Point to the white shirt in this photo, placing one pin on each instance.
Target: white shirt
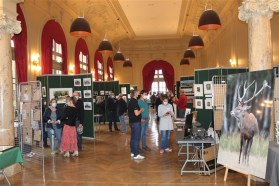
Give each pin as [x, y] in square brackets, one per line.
[165, 122]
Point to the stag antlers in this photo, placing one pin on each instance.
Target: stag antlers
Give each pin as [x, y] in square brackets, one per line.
[240, 99]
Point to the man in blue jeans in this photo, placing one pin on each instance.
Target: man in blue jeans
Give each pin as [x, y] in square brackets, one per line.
[134, 113]
[144, 119]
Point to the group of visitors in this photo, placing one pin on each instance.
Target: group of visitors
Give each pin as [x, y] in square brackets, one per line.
[65, 125]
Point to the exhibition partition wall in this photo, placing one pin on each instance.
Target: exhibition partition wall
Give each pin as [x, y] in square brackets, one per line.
[58, 86]
[203, 91]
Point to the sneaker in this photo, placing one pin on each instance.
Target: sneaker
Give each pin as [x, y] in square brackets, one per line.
[168, 150]
[53, 153]
[67, 154]
[75, 153]
[132, 154]
[162, 151]
[138, 157]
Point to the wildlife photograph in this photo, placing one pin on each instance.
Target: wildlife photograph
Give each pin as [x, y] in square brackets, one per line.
[247, 119]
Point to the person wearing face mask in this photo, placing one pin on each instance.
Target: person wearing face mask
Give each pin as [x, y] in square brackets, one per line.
[79, 122]
[52, 119]
[144, 119]
[165, 113]
[112, 113]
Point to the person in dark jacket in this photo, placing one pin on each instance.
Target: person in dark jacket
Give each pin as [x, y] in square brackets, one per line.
[101, 108]
[157, 103]
[111, 107]
[69, 136]
[52, 120]
[80, 108]
[121, 109]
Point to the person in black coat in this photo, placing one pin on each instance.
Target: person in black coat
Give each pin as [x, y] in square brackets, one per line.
[80, 108]
[121, 109]
[111, 107]
[101, 108]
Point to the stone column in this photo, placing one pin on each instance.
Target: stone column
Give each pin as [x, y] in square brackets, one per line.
[258, 14]
[8, 26]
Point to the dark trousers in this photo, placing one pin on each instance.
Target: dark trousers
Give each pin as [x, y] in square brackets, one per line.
[79, 137]
[112, 118]
[135, 138]
[44, 135]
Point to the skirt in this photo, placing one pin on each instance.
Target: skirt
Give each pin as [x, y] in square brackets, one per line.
[69, 139]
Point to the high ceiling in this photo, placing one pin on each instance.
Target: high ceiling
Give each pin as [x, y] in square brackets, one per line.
[143, 19]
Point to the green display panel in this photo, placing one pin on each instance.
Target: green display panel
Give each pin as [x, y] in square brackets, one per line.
[71, 83]
[205, 116]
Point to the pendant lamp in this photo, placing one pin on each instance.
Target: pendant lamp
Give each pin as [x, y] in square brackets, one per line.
[80, 27]
[105, 46]
[184, 62]
[189, 54]
[127, 63]
[209, 20]
[196, 42]
[118, 57]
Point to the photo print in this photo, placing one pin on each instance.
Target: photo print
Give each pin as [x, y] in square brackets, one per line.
[87, 81]
[77, 82]
[60, 94]
[199, 103]
[198, 90]
[87, 94]
[207, 87]
[87, 106]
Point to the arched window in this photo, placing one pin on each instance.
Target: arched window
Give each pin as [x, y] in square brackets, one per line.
[82, 63]
[159, 84]
[110, 71]
[99, 66]
[54, 49]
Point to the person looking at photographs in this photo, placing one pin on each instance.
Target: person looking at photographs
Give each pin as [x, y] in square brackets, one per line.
[101, 107]
[144, 119]
[69, 136]
[121, 109]
[165, 113]
[80, 108]
[52, 120]
[181, 103]
[134, 113]
[111, 107]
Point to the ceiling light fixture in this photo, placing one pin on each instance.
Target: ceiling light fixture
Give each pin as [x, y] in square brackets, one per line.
[209, 20]
[184, 62]
[196, 42]
[127, 63]
[105, 46]
[118, 57]
[189, 54]
[80, 27]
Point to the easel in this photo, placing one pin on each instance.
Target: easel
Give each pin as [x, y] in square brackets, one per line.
[240, 171]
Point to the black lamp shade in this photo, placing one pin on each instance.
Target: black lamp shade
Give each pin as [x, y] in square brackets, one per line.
[80, 27]
[189, 54]
[209, 20]
[118, 57]
[184, 62]
[127, 63]
[105, 46]
[196, 42]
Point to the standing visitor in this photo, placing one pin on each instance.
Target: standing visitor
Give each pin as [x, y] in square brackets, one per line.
[69, 136]
[158, 102]
[52, 120]
[101, 108]
[153, 99]
[134, 113]
[111, 107]
[144, 119]
[80, 108]
[121, 109]
[165, 112]
[181, 103]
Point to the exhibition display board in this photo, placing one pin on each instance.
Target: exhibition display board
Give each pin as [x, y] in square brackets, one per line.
[125, 89]
[58, 86]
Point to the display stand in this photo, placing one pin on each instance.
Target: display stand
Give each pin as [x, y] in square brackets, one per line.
[242, 172]
[30, 125]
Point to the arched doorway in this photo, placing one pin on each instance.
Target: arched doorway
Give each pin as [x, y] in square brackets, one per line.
[164, 71]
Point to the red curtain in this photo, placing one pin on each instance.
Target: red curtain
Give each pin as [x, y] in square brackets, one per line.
[98, 57]
[53, 30]
[20, 44]
[149, 71]
[110, 64]
[81, 46]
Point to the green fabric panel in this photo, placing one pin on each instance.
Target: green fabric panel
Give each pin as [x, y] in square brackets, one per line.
[10, 157]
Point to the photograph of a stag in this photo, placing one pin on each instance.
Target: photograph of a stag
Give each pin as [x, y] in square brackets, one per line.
[246, 122]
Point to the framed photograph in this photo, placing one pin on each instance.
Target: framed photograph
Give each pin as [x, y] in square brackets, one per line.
[198, 90]
[43, 92]
[102, 92]
[123, 90]
[87, 94]
[198, 103]
[60, 94]
[87, 106]
[87, 81]
[129, 96]
[208, 103]
[207, 87]
[25, 93]
[79, 93]
[106, 92]
[77, 82]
